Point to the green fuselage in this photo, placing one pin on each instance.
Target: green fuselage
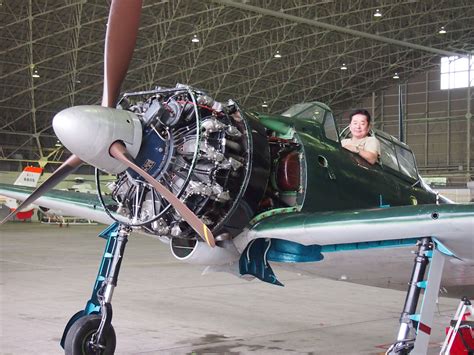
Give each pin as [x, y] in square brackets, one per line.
[350, 182]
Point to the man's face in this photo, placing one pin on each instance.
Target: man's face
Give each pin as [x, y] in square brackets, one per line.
[359, 126]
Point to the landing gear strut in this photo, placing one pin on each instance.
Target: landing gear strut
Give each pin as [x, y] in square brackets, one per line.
[90, 330]
[419, 324]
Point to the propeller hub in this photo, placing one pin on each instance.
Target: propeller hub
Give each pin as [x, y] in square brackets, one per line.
[89, 131]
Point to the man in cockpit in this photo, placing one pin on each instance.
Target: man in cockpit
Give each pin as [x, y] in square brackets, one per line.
[361, 143]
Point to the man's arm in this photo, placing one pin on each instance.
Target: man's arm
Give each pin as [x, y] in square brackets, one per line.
[370, 153]
[371, 157]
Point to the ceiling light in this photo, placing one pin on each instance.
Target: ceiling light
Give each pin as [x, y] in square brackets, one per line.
[277, 54]
[395, 76]
[195, 39]
[377, 13]
[35, 74]
[264, 104]
[442, 30]
[343, 66]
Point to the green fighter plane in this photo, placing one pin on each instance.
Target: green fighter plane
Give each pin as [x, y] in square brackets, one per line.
[234, 190]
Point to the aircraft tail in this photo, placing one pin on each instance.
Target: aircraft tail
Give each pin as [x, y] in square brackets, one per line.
[29, 176]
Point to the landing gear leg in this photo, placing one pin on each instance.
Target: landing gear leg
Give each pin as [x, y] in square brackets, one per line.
[420, 324]
[90, 331]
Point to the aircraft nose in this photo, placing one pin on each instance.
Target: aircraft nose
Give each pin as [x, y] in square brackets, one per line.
[89, 131]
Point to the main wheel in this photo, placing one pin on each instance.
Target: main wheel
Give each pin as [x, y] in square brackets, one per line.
[80, 334]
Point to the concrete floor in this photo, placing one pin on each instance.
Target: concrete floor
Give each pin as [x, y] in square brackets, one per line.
[162, 306]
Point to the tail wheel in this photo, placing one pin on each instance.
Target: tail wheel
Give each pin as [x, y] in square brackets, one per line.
[80, 335]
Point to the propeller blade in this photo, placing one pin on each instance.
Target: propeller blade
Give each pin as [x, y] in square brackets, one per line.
[120, 39]
[119, 152]
[71, 164]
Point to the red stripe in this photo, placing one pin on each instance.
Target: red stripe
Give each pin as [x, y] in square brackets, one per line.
[424, 328]
[25, 214]
[33, 169]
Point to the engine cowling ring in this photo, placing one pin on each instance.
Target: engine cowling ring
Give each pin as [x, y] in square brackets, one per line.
[199, 253]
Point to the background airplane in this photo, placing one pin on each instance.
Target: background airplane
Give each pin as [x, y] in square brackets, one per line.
[234, 190]
[57, 216]
[28, 177]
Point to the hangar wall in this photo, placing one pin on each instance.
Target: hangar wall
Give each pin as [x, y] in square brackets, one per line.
[436, 124]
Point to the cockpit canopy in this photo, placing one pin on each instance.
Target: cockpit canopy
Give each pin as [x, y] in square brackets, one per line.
[315, 112]
[309, 110]
[397, 155]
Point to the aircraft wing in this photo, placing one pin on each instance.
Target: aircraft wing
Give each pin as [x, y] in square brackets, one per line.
[452, 225]
[70, 203]
[370, 247]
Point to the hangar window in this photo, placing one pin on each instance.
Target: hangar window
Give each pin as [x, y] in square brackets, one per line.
[455, 72]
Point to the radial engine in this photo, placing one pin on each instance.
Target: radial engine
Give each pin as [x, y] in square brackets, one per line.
[212, 156]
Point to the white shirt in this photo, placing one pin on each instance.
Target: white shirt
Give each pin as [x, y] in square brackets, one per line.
[369, 144]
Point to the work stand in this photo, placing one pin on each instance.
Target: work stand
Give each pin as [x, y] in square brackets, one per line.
[415, 328]
[460, 328]
[90, 331]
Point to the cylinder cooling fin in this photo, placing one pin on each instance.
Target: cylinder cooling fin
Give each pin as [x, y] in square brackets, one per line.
[213, 156]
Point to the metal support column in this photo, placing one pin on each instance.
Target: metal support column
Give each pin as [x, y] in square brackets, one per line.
[468, 121]
[401, 136]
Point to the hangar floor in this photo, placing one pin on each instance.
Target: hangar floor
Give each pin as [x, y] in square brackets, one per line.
[162, 306]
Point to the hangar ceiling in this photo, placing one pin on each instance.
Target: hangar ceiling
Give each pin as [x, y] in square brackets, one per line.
[62, 42]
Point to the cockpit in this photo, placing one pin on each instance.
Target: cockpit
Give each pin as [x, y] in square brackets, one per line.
[396, 157]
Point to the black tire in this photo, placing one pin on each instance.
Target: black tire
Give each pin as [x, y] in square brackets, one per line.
[78, 337]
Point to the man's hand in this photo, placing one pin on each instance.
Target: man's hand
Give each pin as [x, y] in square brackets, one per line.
[371, 157]
[352, 148]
